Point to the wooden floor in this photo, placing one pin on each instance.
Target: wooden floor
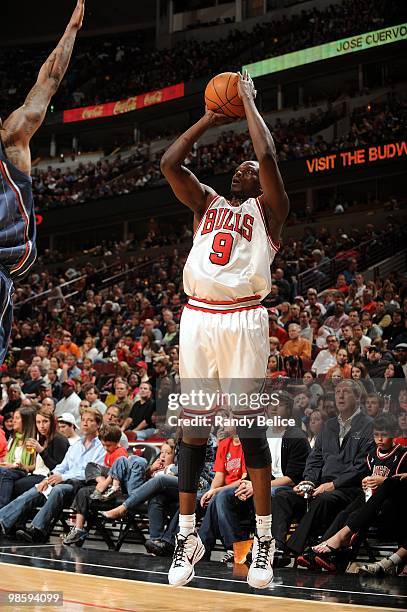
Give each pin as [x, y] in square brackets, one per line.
[84, 592]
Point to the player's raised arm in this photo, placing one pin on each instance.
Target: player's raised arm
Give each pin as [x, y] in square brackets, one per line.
[20, 126]
[188, 189]
[274, 196]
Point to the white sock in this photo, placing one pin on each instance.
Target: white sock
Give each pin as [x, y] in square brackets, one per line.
[263, 525]
[395, 558]
[186, 524]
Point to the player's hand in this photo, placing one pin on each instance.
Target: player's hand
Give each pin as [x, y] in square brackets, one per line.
[245, 86]
[217, 118]
[77, 15]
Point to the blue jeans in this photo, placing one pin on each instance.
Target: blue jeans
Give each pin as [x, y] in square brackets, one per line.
[10, 514]
[163, 505]
[60, 497]
[8, 476]
[131, 472]
[155, 485]
[224, 517]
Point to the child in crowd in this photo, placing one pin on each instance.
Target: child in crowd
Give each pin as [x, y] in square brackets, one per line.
[108, 487]
[387, 461]
[110, 437]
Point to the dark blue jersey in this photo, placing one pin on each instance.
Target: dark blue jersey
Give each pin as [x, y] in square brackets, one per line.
[17, 219]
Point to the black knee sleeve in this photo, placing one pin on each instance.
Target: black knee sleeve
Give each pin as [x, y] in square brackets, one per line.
[191, 460]
[256, 450]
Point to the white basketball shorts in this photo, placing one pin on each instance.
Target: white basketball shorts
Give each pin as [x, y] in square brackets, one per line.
[224, 351]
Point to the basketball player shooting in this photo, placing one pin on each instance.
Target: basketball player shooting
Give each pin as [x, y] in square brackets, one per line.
[17, 219]
[224, 328]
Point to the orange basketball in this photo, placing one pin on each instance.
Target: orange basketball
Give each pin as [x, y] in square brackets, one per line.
[221, 95]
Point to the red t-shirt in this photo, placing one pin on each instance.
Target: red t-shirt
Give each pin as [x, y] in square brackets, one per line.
[110, 458]
[230, 460]
[402, 441]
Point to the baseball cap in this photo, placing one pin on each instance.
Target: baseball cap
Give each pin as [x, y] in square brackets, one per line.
[402, 345]
[45, 385]
[141, 364]
[69, 382]
[373, 348]
[67, 417]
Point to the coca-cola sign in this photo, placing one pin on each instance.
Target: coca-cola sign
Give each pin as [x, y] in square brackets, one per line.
[124, 106]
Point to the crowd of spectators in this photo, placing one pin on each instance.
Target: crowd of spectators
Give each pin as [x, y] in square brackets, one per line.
[103, 363]
[111, 70]
[295, 139]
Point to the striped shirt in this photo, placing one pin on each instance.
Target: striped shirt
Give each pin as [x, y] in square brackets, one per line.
[17, 219]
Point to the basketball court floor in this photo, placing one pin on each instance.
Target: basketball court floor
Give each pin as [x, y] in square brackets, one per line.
[97, 579]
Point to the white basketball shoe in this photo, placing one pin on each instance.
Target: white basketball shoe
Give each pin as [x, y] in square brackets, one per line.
[261, 569]
[188, 551]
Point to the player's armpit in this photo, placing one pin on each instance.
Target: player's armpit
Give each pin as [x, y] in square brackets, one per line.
[274, 223]
[274, 198]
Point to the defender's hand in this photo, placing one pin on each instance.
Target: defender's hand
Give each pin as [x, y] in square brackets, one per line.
[77, 15]
[245, 86]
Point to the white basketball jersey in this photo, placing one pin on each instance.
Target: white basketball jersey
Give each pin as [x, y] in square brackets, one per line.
[231, 253]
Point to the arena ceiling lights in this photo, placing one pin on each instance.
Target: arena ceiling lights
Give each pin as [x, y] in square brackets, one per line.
[329, 50]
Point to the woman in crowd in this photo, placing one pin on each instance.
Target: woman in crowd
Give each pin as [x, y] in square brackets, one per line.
[354, 350]
[402, 423]
[149, 346]
[390, 387]
[105, 348]
[171, 337]
[8, 424]
[20, 457]
[50, 447]
[402, 400]
[359, 373]
[315, 324]
[309, 381]
[88, 349]
[275, 367]
[285, 313]
[88, 374]
[315, 425]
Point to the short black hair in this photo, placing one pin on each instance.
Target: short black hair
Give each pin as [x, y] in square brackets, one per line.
[387, 423]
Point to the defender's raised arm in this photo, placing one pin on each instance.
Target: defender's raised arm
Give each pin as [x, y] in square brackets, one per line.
[22, 124]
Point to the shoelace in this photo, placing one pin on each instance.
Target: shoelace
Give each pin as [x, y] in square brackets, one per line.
[71, 532]
[228, 557]
[180, 551]
[262, 554]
